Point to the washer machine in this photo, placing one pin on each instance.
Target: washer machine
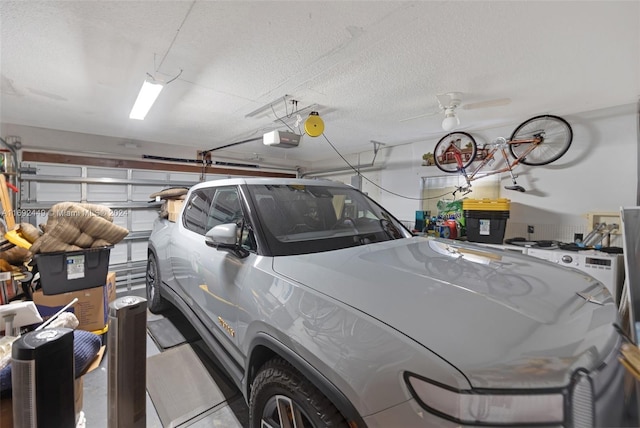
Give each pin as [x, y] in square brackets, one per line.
[606, 268]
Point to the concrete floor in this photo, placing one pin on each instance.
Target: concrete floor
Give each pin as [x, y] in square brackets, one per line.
[229, 412]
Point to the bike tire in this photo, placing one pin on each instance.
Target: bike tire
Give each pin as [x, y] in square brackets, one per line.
[443, 157]
[557, 136]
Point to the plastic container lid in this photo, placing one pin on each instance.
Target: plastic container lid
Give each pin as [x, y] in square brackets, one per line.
[486, 204]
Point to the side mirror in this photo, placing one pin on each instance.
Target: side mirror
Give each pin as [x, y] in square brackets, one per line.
[224, 237]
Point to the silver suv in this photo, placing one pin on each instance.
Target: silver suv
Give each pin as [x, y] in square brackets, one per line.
[326, 311]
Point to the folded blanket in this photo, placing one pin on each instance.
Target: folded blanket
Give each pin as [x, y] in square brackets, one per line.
[170, 193]
[73, 226]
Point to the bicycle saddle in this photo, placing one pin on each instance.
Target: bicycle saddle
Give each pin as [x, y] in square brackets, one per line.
[518, 188]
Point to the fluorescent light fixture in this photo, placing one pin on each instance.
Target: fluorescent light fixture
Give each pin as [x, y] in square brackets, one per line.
[147, 96]
[269, 106]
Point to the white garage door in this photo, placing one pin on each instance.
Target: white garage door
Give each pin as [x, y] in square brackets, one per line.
[125, 191]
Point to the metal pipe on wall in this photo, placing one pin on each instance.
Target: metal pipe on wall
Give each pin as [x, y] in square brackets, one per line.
[638, 156]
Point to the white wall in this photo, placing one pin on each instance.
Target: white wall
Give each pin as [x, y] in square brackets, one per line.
[599, 173]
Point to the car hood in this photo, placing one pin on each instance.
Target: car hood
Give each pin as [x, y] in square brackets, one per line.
[503, 319]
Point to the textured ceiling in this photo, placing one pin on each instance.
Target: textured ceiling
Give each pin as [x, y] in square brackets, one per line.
[78, 66]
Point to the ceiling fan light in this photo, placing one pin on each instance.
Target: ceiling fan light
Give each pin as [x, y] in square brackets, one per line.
[451, 121]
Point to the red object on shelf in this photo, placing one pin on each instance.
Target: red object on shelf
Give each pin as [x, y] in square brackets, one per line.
[453, 228]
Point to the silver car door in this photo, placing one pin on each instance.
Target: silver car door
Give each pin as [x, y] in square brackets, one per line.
[187, 242]
[220, 273]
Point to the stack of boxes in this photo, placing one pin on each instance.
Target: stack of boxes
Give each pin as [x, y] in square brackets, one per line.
[174, 206]
[486, 219]
[77, 274]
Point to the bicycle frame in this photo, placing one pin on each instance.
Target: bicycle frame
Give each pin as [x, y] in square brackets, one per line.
[457, 151]
[500, 145]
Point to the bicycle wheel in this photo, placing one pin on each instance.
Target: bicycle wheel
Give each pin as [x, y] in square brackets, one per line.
[556, 135]
[455, 151]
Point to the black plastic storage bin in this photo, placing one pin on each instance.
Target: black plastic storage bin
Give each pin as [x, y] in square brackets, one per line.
[486, 226]
[66, 271]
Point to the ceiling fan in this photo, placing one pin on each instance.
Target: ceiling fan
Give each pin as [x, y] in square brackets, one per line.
[450, 101]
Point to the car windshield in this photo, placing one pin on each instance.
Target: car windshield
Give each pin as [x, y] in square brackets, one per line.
[299, 219]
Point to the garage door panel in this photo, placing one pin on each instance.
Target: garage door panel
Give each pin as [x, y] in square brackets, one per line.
[119, 253]
[106, 193]
[184, 177]
[106, 173]
[121, 217]
[138, 251]
[142, 220]
[211, 177]
[58, 192]
[57, 170]
[141, 193]
[149, 175]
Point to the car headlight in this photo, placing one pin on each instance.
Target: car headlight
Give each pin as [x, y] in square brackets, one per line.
[487, 406]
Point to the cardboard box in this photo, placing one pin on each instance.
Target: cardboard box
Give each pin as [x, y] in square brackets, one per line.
[174, 206]
[90, 309]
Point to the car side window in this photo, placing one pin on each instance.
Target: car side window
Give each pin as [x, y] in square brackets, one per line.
[225, 207]
[197, 209]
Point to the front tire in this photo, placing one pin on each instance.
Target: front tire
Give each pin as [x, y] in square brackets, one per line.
[281, 397]
[155, 302]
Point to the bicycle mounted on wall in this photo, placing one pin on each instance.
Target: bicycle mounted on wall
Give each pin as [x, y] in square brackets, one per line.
[537, 141]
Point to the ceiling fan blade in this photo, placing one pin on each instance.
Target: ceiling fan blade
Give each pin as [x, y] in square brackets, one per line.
[433, 113]
[484, 104]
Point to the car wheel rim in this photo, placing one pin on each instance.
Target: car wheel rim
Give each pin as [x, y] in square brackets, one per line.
[282, 412]
[151, 280]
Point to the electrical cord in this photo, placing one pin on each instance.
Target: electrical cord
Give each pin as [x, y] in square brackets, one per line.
[358, 172]
[376, 185]
[175, 37]
[281, 120]
[179, 74]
